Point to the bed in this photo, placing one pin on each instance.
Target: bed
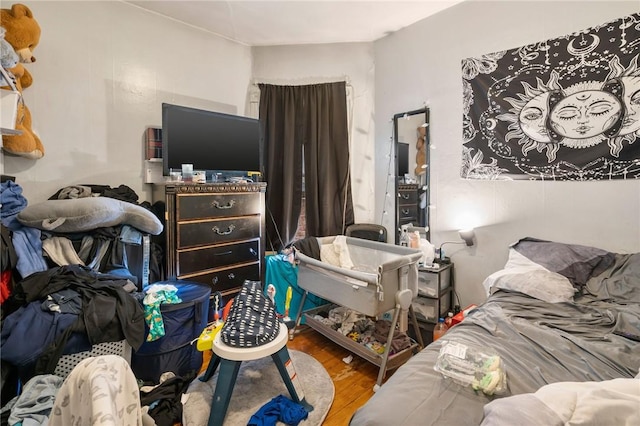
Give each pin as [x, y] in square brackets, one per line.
[556, 314]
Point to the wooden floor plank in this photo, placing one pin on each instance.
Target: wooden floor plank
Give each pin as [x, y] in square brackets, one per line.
[353, 382]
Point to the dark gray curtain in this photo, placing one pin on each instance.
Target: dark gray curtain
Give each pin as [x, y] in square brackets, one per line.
[313, 116]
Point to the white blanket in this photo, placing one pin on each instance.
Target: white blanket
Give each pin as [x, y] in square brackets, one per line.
[99, 390]
[610, 402]
[337, 253]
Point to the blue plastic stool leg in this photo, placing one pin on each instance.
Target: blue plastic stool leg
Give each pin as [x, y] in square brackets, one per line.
[211, 368]
[289, 376]
[224, 388]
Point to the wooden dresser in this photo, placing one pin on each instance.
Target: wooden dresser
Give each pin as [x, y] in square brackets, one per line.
[214, 232]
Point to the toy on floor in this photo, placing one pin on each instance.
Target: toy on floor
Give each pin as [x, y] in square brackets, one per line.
[205, 341]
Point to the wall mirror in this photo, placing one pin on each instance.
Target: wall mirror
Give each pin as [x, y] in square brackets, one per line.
[411, 143]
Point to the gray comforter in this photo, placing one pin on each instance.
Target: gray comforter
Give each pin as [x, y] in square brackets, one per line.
[591, 337]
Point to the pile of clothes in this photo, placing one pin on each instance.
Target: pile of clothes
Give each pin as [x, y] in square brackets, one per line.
[362, 329]
[62, 293]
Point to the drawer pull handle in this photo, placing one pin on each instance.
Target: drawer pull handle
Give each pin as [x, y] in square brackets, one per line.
[227, 232]
[253, 252]
[405, 211]
[224, 253]
[404, 196]
[217, 205]
[216, 279]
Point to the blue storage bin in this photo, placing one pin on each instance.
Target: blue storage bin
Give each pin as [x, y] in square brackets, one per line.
[183, 322]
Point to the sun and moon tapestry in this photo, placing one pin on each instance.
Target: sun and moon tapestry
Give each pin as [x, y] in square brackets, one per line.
[561, 109]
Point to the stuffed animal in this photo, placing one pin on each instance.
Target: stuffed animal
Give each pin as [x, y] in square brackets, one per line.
[22, 32]
[421, 153]
[8, 56]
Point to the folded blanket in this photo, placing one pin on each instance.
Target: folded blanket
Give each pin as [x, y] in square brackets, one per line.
[337, 253]
[608, 402]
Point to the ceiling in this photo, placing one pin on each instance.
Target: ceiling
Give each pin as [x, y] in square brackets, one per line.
[273, 23]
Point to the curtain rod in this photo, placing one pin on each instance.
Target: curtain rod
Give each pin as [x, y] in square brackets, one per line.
[302, 81]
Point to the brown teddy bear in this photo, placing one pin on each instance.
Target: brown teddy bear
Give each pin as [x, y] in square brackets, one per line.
[23, 34]
[421, 154]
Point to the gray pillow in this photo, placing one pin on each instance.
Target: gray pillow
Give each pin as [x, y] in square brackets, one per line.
[86, 214]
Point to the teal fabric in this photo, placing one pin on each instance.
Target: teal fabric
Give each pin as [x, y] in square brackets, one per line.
[282, 274]
[152, 313]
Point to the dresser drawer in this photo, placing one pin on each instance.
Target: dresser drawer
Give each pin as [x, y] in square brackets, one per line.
[407, 214]
[427, 309]
[195, 260]
[428, 283]
[407, 197]
[228, 278]
[207, 232]
[203, 206]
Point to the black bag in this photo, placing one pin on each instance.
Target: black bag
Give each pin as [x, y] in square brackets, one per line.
[252, 319]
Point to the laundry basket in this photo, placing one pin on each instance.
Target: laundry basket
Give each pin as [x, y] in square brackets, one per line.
[66, 363]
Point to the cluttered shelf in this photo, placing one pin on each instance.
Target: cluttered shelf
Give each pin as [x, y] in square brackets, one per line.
[369, 349]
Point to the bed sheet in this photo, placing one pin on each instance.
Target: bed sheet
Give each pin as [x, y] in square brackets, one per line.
[590, 338]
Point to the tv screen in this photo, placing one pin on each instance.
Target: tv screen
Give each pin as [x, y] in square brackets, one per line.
[211, 141]
[403, 159]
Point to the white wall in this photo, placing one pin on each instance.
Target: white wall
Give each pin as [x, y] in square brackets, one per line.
[421, 64]
[102, 71]
[311, 64]
[104, 68]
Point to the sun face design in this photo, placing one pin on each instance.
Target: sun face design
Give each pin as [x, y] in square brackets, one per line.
[528, 118]
[583, 114]
[629, 79]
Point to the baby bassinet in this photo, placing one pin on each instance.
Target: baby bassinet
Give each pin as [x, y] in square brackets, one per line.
[383, 278]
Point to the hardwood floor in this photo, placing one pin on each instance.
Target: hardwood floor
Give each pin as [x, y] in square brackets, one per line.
[353, 382]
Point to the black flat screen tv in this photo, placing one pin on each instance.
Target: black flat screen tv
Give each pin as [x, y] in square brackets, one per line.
[211, 141]
[403, 159]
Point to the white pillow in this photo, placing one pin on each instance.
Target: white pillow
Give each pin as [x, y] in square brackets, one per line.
[86, 214]
[536, 282]
[518, 260]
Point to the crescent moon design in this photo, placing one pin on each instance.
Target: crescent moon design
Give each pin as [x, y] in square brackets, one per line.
[491, 124]
[584, 50]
